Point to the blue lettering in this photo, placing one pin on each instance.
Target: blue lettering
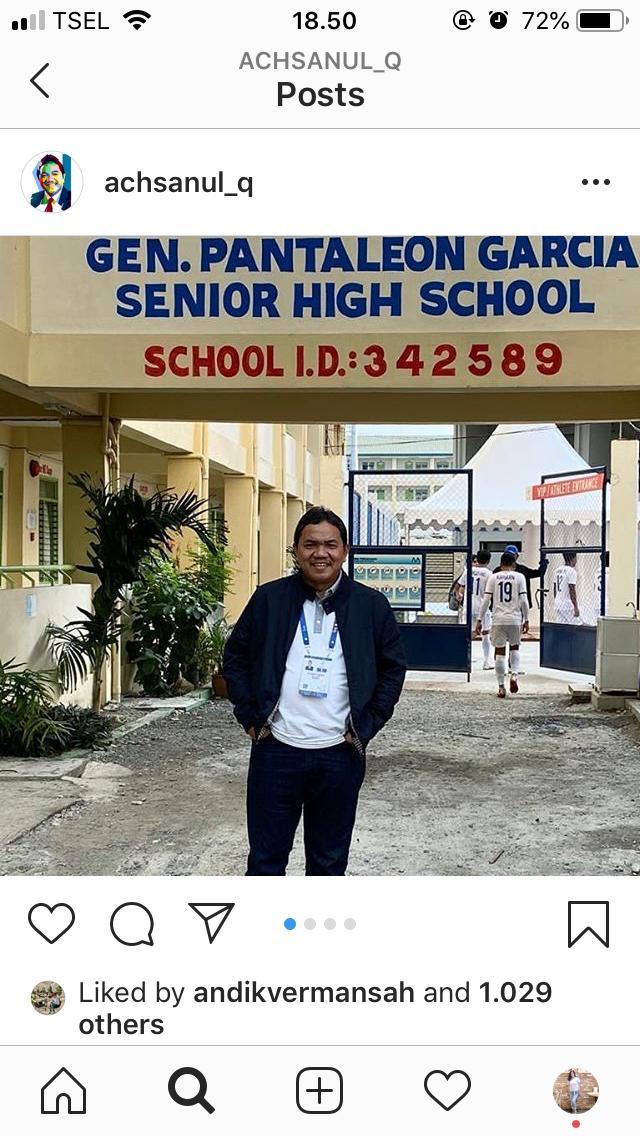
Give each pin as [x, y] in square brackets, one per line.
[99, 256]
[127, 303]
[432, 302]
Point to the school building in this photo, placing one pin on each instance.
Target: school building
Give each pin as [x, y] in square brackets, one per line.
[227, 364]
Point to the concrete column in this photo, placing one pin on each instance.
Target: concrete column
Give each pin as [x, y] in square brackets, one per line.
[623, 527]
[18, 551]
[530, 555]
[185, 474]
[82, 452]
[295, 510]
[333, 475]
[241, 516]
[272, 534]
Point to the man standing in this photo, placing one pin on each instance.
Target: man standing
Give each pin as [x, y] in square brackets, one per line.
[507, 594]
[565, 595]
[480, 573]
[528, 573]
[314, 668]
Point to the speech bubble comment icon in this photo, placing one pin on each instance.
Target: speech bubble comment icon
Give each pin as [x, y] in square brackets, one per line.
[132, 925]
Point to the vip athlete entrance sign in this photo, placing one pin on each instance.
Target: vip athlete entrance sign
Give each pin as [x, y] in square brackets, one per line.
[567, 487]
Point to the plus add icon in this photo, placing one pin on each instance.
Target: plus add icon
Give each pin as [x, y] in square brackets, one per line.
[319, 1089]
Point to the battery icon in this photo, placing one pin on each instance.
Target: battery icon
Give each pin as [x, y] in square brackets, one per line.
[601, 20]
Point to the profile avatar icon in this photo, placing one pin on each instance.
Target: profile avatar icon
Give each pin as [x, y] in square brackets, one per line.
[53, 177]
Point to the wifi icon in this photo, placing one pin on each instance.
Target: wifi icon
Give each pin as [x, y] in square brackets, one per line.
[136, 17]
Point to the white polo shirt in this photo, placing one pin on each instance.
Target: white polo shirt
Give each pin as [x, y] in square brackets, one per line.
[313, 723]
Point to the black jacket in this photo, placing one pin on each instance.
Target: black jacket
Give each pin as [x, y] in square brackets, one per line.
[64, 200]
[256, 652]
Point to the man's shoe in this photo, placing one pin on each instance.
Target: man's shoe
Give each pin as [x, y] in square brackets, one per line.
[487, 666]
[502, 692]
[513, 684]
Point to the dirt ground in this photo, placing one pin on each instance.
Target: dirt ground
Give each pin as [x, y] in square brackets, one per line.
[457, 784]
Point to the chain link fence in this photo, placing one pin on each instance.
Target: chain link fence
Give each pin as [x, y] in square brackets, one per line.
[424, 516]
[573, 540]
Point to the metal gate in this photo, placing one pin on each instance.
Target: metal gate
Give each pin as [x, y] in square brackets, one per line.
[411, 535]
[573, 538]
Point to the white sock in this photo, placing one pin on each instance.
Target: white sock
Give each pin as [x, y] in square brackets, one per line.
[486, 648]
[514, 662]
[501, 668]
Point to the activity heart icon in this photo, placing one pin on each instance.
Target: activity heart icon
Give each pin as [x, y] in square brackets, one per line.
[447, 1089]
[51, 922]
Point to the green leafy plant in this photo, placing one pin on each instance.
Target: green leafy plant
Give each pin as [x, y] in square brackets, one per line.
[213, 571]
[125, 528]
[32, 725]
[169, 608]
[210, 649]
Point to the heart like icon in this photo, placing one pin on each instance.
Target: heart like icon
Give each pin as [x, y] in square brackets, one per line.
[447, 1089]
[51, 922]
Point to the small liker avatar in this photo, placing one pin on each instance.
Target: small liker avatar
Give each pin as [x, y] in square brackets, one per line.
[53, 176]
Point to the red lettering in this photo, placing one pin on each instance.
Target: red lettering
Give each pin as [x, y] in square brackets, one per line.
[228, 362]
[273, 371]
[154, 365]
[203, 361]
[253, 361]
[328, 361]
[174, 354]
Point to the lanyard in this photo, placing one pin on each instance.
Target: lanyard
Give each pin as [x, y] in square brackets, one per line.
[305, 632]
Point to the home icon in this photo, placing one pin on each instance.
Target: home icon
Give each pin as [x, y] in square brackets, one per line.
[63, 1086]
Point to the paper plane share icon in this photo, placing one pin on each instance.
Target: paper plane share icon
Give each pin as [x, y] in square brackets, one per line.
[214, 916]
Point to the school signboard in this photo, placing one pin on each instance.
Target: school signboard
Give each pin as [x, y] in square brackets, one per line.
[416, 315]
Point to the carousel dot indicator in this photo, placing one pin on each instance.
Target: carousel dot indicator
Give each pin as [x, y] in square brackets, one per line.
[310, 924]
[349, 924]
[330, 924]
[289, 924]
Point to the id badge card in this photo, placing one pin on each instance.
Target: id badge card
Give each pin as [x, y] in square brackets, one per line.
[314, 677]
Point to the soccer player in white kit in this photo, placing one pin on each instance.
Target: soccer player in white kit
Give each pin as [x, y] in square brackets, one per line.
[506, 591]
[565, 597]
[480, 573]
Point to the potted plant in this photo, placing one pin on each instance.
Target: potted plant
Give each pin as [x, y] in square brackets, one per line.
[210, 654]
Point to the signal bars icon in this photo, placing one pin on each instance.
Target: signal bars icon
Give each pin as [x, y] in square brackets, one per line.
[35, 22]
[136, 17]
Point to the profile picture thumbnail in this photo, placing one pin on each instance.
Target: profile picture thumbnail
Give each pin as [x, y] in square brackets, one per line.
[47, 997]
[51, 182]
[575, 1090]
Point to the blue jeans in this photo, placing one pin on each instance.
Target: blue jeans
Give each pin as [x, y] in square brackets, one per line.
[285, 783]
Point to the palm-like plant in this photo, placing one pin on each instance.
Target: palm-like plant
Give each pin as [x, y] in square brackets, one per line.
[26, 699]
[125, 528]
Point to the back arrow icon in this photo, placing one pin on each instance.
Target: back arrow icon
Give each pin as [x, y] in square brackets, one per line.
[37, 85]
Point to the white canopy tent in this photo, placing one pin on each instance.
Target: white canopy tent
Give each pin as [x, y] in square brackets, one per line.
[513, 459]
[505, 468]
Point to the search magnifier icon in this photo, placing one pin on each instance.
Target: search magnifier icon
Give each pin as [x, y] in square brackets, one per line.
[199, 1097]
